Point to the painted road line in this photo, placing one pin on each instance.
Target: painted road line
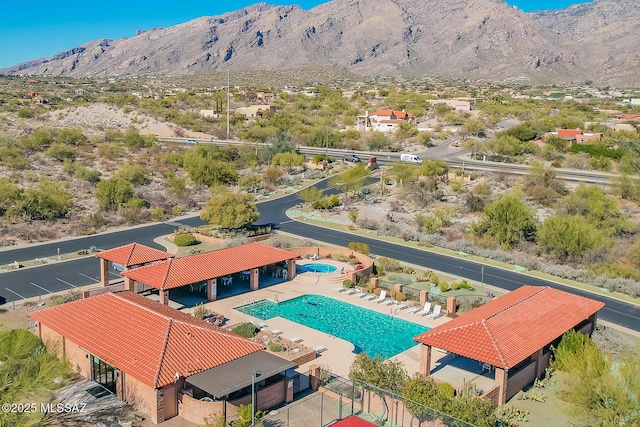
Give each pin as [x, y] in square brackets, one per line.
[64, 281]
[15, 293]
[44, 289]
[89, 277]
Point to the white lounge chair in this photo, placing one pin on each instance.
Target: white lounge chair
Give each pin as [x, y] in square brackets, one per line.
[340, 289]
[382, 297]
[369, 297]
[388, 301]
[437, 312]
[319, 348]
[424, 311]
[295, 339]
[350, 291]
[402, 305]
[275, 332]
[359, 294]
[427, 308]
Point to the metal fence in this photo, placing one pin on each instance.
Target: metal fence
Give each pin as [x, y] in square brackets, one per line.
[342, 397]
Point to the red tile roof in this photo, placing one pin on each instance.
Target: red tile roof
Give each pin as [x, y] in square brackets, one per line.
[133, 254]
[569, 133]
[507, 330]
[196, 268]
[147, 340]
[627, 116]
[353, 421]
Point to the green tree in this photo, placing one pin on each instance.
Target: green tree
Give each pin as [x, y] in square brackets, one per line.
[403, 172]
[593, 204]
[473, 127]
[350, 180]
[230, 210]
[382, 373]
[60, 152]
[135, 174]
[435, 168]
[405, 130]
[46, 201]
[508, 220]
[133, 139]
[423, 396]
[113, 192]
[210, 172]
[288, 160]
[71, 136]
[9, 194]
[310, 194]
[600, 391]
[378, 141]
[567, 236]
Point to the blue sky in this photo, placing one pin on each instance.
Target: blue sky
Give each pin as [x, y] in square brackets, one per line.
[40, 28]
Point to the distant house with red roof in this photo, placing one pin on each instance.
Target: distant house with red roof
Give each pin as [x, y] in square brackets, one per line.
[384, 120]
[146, 353]
[574, 135]
[627, 116]
[512, 335]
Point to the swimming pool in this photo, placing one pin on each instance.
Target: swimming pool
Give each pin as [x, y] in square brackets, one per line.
[368, 330]
[318, 268]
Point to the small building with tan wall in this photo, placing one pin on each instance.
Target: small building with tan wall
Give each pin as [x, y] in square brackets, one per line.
[512, 335]
[146, 352]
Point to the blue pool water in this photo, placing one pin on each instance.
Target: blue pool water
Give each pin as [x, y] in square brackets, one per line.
[368, 330]
[318, 268]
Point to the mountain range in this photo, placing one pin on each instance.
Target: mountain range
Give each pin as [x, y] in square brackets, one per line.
[473, 39]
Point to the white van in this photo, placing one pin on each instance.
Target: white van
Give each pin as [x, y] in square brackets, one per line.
[410, 158]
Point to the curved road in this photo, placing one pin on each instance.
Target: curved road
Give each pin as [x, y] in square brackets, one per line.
[62, 276]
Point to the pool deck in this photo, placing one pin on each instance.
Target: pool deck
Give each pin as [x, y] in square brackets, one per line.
[338, 355]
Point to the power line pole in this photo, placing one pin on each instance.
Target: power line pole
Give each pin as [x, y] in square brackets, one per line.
[228, 101]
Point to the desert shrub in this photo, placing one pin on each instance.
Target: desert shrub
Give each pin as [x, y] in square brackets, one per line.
[455, 286]
[276, 347]
[72, 295]
[363, 248]
[157, 213]
[348, 284]
[388, 264]
[389, 229]
[443, 285]
[326, 202]
[368, 223]
[338, 256]
[185, 239]
[176, 210]
[465, 285]
[247, 330]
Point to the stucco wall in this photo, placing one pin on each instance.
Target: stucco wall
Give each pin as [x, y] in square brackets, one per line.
[518, 381]
[195, 411]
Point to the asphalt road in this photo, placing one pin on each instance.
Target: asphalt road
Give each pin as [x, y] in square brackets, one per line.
[67, 275]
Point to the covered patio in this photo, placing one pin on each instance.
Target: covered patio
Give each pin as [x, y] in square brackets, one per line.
[507, 340]
[128, 256]
[207, 276]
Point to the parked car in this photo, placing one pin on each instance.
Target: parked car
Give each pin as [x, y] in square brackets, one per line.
[410, 158]
[353, 158]
[191, 142]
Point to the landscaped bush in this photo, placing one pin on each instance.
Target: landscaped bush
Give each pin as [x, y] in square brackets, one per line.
[275, 347]
[348, 284]
[443, 285]
[68, 296]
[185, 239]
[455, 286]
[363, 248]
[446, 390]
[340, 257]
[399, 296]
[200, 312]
[388, 264]
[247, 330]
